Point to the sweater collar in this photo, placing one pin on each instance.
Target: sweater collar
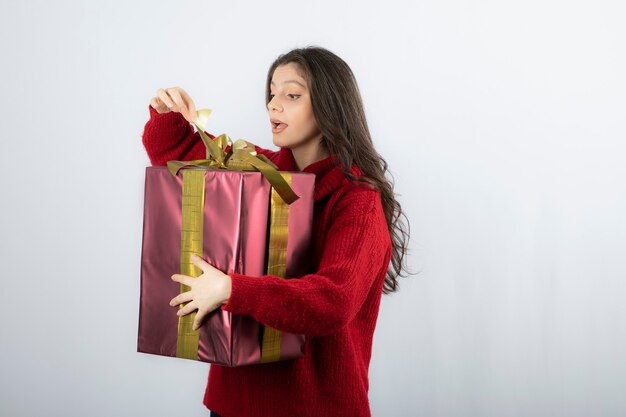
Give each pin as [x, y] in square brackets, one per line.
[328, 176]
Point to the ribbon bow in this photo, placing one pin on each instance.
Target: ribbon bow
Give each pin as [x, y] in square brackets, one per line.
[222, 153]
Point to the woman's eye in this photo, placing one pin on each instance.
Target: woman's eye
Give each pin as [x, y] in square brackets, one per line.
[293, 96]
[271, 97]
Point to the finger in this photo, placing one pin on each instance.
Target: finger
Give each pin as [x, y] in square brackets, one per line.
[201, 263]
[165, 98]
[197, 322]
[178, 99]
[181, 298]
[189, 308]
[154, 102]
[183, 279]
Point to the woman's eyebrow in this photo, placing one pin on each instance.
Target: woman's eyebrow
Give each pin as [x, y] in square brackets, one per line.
[290, 82]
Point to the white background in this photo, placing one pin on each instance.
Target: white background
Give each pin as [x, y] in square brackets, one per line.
[502, 121]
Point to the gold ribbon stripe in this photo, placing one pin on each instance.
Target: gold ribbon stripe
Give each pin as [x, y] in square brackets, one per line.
[276, 265]
[191, 243]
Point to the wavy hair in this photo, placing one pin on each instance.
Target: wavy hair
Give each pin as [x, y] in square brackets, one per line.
[338, 110]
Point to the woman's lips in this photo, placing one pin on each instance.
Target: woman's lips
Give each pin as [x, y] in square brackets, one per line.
[278, 127]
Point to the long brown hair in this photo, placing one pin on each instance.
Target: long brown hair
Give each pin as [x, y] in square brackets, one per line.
[340, 117]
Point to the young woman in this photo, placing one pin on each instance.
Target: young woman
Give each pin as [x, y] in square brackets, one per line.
[359, 243]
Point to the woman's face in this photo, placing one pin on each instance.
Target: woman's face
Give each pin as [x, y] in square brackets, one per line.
[290, 109]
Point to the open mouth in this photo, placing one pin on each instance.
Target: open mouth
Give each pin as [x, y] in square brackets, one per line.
[277, 125]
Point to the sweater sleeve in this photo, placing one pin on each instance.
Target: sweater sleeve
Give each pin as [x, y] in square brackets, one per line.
[355, 256]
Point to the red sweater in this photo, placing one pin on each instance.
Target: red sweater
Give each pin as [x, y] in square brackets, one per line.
[336, 307]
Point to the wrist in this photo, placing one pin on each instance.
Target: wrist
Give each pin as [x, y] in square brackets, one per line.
[228, 287]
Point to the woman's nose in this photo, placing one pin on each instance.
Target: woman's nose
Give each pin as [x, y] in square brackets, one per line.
[274, 105]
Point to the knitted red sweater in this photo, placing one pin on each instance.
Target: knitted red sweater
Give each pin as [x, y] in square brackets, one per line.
[336, 307]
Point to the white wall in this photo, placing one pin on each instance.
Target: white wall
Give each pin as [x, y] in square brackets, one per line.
[503, 123]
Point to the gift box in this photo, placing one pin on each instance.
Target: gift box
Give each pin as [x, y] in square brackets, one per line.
[237, 222]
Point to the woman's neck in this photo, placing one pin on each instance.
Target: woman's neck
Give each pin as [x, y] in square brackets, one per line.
[309, 153]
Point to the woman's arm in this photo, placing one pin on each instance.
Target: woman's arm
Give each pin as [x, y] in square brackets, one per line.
[169, 136]
[355, 257]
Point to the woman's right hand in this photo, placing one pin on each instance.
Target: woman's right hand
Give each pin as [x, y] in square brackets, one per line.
[177, 100]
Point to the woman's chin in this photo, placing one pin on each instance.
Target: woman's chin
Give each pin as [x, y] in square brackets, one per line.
[279, 143]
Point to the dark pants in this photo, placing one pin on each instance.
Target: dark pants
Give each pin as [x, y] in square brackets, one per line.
[214, 414]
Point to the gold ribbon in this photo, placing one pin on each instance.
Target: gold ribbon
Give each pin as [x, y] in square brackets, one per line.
[276, 265]
[241, 157]
[190, 243]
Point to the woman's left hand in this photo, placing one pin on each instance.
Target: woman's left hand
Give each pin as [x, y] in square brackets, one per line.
[208, 292]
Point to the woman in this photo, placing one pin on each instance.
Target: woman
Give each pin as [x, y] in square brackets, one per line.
[359, 243]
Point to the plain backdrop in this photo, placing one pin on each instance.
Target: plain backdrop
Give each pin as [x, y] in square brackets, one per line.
[502, 123]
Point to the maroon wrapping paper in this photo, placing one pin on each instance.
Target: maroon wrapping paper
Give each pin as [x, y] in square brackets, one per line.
[236, 214]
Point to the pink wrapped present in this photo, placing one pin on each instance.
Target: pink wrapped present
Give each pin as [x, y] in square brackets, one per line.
[230, 218]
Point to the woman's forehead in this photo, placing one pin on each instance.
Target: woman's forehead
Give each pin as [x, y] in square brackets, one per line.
[289, 73]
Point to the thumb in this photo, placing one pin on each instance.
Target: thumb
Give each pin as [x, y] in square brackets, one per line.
[201, 263]
[193, 114]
